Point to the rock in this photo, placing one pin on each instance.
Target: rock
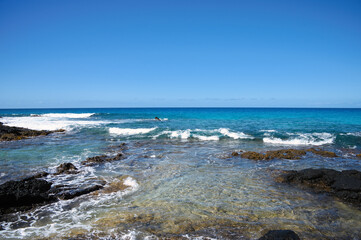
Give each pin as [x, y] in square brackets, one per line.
[114, 186]
[322, 152]
[16, 133]
[102, 159]
[346, 185]
[66, 168]
[76, 192]
[280, 235]
[279, 154]
[358, 155]
[24, 193]
[253, 155]
[285, 154]
[38, 175]
[235, 154]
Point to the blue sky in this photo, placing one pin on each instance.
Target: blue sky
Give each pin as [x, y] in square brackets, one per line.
[187, 53]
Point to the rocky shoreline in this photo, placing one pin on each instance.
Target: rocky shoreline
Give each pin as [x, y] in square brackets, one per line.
[17, 133]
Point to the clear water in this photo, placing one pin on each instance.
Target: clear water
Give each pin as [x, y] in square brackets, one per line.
[185, 184]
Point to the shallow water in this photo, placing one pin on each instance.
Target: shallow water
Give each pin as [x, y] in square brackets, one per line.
[181, 184]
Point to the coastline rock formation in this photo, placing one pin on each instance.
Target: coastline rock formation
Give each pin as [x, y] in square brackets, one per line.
[16, 133]
[345, 185]
[291, 154]
[66, 168]
[280, 235]
[90, 161]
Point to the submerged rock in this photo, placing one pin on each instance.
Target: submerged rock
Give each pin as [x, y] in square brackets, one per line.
[21, 193]
[66, 168]
[90, 161]
[16, 133]
[322, 152]
[280, 235]
[346, 185]
[280, 154]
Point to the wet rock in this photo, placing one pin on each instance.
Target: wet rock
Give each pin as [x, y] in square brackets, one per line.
[280, 235]
[253, 155]
[76, 192]
[24, 193]
[90, 161]
[38, 175]
[346, 185]
[114, 186]
[16, 133]
[322, 152]
[66, 168]
[285, 154]
[358, 155]
[279, 154]
[235, 154]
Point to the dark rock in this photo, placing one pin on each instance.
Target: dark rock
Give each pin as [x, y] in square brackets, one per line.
[280, 235]
[102, 159]
[16, 133]
[24, 193]
[38, 175]
[345, 185]
[76, 192]
[235, 154]
[66, 168]
[322, 152]
[279, 154]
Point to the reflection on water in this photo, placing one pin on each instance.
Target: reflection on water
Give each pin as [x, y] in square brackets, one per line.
[192, 189]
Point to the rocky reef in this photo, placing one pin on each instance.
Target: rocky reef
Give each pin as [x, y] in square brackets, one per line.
[16, 133]
[345, 185]
[291, 154]
[90, 161]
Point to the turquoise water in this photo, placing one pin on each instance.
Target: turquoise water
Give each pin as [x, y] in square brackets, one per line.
[184, 182]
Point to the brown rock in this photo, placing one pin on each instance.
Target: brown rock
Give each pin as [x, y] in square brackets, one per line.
[66, 168]
[253, 156]
[102, 159]
[285, 154]
[322, 152]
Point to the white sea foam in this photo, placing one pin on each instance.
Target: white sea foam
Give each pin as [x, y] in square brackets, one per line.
[183, 134]
[269, 131]
[234, 135]
[207, 138]
[66, 115]
[130, 131]
[48, 123]
[355, 134]
[316, 139]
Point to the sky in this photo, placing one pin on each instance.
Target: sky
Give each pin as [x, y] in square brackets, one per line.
[180, 53]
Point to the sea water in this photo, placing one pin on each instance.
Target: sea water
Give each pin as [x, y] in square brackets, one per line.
[182, 180]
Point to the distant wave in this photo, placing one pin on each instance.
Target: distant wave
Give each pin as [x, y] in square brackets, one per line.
[316, 139]
[234, 135]
[65, 115]
[130, 131]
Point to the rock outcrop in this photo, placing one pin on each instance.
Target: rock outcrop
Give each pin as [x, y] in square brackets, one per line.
[90, 161]
[345, 185]
[16, 133]
[280, 235]
[66, 168]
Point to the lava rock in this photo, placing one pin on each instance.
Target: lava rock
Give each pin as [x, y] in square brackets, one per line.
[16, 133]
[346, 185]
[102, 159]
[24, 193]
[280, 235]
[66, 168]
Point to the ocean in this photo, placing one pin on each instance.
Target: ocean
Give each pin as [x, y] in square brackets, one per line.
[182, 180]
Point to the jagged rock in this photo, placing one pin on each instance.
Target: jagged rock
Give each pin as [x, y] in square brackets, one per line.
[235, 154]
[90, 161]
[70, 193]
[280, 235]
[38, 175]
[24, 193]
[16, 133]
[66, 168]
[322, 152]
[346, 185]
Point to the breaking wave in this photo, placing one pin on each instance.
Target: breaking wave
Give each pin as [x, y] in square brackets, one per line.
[316, 139]
[130, 131]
